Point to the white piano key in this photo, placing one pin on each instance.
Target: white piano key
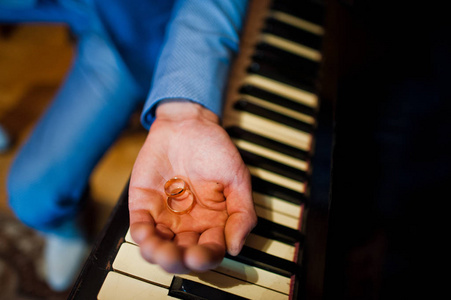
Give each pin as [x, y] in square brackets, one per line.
[236, 286]
[291, 46]
[254, 275]
[278, 205]
[303, 97]
[120, 287]
[277, 179]
[270, 246]
[297, 22]
[130, 261]
[128, 238]
[271, 154]
[276, 217]
[279, 109]
[270, 129]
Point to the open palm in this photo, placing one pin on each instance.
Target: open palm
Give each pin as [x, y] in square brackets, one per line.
[194, 147]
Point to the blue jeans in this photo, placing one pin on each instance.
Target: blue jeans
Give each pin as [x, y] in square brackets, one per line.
[52, 169]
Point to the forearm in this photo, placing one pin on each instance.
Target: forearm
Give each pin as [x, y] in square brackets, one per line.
[195, 60]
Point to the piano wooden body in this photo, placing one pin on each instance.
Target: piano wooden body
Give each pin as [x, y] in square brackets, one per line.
[283, 130]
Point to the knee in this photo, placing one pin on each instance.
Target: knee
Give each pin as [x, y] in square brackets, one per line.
[35, 198]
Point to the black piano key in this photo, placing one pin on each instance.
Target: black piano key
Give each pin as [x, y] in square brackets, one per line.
[278, 232]
[271, 165]
[283, 73]
[236, 132]
[285, 57]
[279, 55]
[265, 261]
[309, 10]
[277, 73]
[305, 69]
[276, 99]
[255, 109]
[292, 33]
[271, 189]
[187, 289]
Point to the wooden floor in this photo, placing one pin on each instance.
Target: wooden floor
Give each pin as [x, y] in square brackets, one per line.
[33, 62]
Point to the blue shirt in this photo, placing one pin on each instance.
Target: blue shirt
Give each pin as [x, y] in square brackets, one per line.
[174, 49]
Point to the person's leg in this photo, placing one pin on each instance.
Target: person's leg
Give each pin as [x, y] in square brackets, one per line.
[51, 171]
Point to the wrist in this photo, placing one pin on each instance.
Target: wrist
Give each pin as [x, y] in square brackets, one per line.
[183, 109]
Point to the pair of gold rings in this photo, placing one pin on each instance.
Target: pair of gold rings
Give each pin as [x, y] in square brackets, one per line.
[180, 199]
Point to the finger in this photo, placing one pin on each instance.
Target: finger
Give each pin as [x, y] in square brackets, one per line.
[156, 247]
[142, 230]
[240, 207]
[141, 202]
[209, 252]
[186, 239]
[142, 223]
[164, 232]
[237, 228]
[164, 253]
[149, 247]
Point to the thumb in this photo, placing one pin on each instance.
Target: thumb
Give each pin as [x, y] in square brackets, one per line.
[237, 228]
[242, 217]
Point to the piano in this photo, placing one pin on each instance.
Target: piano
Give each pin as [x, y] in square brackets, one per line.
[283, 129]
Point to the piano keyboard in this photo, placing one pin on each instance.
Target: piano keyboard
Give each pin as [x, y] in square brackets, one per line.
[270, 115]
[232, 276]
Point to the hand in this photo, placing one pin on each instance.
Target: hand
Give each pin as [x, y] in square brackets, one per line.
[186, 141]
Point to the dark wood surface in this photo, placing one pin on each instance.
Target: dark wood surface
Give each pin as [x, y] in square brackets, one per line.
[100, 261]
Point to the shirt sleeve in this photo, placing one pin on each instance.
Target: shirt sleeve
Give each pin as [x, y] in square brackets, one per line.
[201, 40]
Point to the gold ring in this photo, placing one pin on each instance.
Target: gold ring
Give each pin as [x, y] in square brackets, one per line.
[178, 190]
[175, 187]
